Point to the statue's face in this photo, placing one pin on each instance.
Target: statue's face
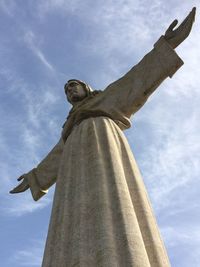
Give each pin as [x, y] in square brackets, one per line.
[75, 92]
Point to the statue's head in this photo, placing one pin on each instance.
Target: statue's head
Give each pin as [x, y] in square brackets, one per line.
[76, 90]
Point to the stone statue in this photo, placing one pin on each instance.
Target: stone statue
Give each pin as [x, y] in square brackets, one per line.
[101, 214]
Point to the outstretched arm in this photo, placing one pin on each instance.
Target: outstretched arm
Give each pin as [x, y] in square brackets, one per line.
[43, 176]
[129, 93]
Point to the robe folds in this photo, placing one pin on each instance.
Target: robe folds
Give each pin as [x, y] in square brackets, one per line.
[101, 214]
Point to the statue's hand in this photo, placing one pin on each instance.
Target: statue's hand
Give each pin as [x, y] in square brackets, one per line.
[23, 186]
[177, 36]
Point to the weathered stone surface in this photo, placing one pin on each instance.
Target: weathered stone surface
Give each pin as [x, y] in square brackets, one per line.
[101, 214]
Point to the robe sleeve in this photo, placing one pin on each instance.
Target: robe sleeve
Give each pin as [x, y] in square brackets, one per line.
[129, 93]
[45, 174]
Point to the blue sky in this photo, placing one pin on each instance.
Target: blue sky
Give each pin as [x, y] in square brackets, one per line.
[45, 43]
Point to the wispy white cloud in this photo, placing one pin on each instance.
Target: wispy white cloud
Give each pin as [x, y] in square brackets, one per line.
[23, 203]
[29, 144]
[32, 42]
[130, 20]
[189, 238]
[29, 256]
[173, 236]
[171, 159]
[8, 6]
[63, 6]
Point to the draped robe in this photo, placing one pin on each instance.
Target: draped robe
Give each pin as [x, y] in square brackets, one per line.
[101, 214]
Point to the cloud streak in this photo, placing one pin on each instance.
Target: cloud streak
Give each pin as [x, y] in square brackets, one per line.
[30, 40]
[24, 204]
[188, 238]
[29, 146]
[8, 6]
[31, 256]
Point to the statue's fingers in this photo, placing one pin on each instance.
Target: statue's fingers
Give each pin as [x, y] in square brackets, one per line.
[186, 26]
[193, 13]
[189, 19]
[20, 178]
[194, 9]
[171, 26]
[20, 188]
[14, 190]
